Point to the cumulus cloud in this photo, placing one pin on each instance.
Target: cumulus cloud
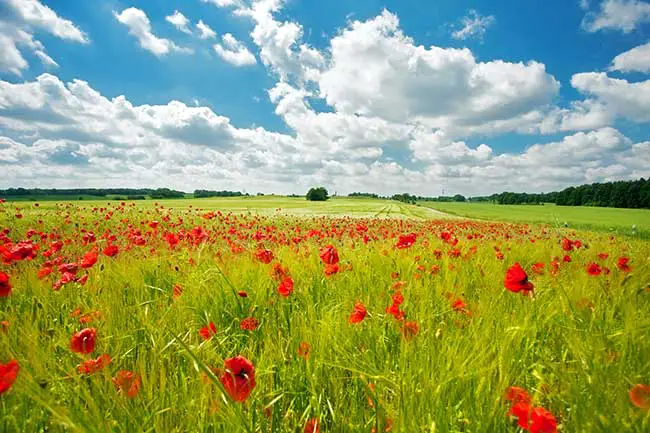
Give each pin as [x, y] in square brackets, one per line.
[621, 97]
[37, 15]
[205, 32]
[637, 59]
[375, 70]
[622, 15]
[473, 26]
[140, 27]
[17, 28]
[68, 134]
[233, 51]
[180, 21]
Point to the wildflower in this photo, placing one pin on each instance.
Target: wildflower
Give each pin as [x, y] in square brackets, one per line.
[94, 365]
[5, 287]
[264, 256]
[594, 269]
[249, 324]
[286, 287]
[127, 382]
[208, 331]
[303, 349]
[406, 241]
[329, 255]
[640, 396]
[358, 313]
[238, 379]
[89, 259]
[312, 426]
[8, 373]
[83, 341]
[623, 265]
[517, 281]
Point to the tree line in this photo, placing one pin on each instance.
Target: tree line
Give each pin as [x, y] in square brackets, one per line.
[622, 194]
[158, 193]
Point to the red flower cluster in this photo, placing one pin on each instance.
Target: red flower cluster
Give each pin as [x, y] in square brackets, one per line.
[532, 419]
[127, 382]
[406, 241]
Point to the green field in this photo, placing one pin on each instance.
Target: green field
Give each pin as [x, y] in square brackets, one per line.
[617, 221]
[268, 205]
[179, 290]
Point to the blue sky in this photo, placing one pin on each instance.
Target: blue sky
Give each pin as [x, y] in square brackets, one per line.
[276, 96]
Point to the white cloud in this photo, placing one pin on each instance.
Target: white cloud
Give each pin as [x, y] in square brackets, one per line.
[17, 33]
[140, 27]
[180, 21]
[205, 32]
[68, 134]
[33, 13]
[473, 26]
[233, 51]
[636, 59]
[224, 3]
[375, 70]
[622, 98]
[623, 15]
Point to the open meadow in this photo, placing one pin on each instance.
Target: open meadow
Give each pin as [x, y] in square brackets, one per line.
[269, 314]
[613, 220]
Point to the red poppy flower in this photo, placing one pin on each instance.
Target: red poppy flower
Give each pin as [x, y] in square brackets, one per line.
[242, 294]
[208, 331]
[594, 269]
[83, 341]
[286, 287]
[406, 241]
[111, 250]
[358, 313]
[127, 382]
[94, 365]
[312, 426]
[249, 324]
[303, 349]
[329, 255]
[8, 373]
[538, 268]
[279, 272]
[542, 421]
[238, 378]
[517, 281]
[623, 265]
[459, 306]
[89, 259]
[5, 287]
[640, 396]
[566, 259]
[410, 330]
[332, 269]
[264, 256]
[517, 395]
[521, 411]
[70, 268]
[177, 290]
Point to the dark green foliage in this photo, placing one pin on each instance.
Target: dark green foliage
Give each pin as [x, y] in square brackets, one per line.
[317, 194]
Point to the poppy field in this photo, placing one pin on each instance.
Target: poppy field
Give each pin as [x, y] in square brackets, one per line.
[124, 317]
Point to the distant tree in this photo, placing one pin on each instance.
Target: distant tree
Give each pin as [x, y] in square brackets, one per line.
[317, 194]
[459, 198]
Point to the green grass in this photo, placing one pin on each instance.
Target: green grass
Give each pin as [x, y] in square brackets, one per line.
[617, 221]
[577, 346]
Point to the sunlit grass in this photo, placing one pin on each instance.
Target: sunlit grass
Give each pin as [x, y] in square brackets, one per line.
[578, 345]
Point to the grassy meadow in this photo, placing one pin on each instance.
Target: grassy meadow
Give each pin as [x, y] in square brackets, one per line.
[355, 315]
[614, 220]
